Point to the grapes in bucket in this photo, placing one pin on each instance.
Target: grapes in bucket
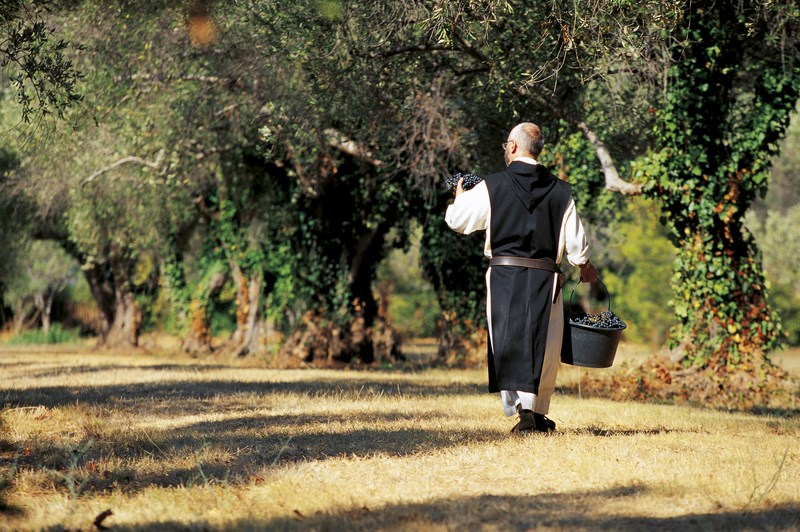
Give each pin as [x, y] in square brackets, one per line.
[591, 340]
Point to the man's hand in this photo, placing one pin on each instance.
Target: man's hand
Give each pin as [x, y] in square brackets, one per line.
[589, 273]
[459, 187]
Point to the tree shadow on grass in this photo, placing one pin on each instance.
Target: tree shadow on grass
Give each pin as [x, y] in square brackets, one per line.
[237, 449]
[785, 412]
[316, 447]
[606, 432]
[78, 370]
[176, 395]
[563, 511]
[290, 440]
[15, 363]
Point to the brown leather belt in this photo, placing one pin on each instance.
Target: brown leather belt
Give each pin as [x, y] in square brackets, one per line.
[537, 264]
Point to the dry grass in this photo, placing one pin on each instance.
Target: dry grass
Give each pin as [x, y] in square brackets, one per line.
[168, 443]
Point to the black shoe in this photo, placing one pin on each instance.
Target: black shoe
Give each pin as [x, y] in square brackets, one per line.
[530, 422]
[543, 423]
[526, 423]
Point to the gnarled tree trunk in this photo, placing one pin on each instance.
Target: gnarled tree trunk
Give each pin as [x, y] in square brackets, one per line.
[248, 298]
[101, 285]
[120, 314]
[125, 327]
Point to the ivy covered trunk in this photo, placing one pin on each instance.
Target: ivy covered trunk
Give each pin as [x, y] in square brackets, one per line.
[343, 233]
[198, 335]
[727, 105]
[721, 301]
[358, 331]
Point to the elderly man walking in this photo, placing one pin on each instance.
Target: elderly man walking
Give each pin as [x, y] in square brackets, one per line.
[531, 223]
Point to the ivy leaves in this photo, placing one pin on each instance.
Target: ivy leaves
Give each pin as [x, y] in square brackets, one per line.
[725, 108]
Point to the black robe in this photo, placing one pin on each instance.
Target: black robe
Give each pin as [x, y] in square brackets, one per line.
[527, 209]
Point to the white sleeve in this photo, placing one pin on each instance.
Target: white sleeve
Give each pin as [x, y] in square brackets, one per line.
[573, 237]
[470, 211]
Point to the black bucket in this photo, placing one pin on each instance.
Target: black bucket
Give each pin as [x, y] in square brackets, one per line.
[586, 346]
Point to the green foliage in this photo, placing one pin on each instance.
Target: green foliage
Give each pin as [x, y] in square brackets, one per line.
[413, 308]
[639, 274]
[78, 291]
[56, 335]
[456, 267]
[784, 186]
[223, 319]
[38, 271]
[778, 238]
[14, 216]
[36, 61]
[414, 314]
[572, 159]
[303, 141]
[785, 300]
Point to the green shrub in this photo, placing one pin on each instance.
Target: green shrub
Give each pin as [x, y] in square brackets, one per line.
[223, 320]
[414, 314]
[56, 335]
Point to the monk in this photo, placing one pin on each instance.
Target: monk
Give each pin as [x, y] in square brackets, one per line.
[531, 224]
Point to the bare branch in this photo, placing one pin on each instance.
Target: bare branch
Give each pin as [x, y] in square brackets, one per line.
[225, 110]
[347, 145]
[161, 77]
[420, 49]
[472, 51]
[614, 182]
[155, 165]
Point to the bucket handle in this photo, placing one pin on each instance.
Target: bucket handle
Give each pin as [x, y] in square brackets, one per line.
[572, 295]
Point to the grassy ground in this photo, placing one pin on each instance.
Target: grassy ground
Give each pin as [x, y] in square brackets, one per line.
[166, 443]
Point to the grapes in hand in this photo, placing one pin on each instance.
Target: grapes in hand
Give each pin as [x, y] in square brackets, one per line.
[470, 180]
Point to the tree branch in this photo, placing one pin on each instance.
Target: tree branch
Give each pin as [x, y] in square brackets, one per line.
[614, 182]
[147, 76]
[471, 50]
[155, 165]
[420, 48]
[471, 71]
[349, 146]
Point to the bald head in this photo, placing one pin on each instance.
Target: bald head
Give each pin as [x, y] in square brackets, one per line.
[528, 137]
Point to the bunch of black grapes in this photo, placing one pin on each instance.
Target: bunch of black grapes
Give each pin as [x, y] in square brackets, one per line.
[605, 320]
[470, 180]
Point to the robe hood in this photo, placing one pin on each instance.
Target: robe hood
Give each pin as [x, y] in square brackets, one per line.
[530, 182]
